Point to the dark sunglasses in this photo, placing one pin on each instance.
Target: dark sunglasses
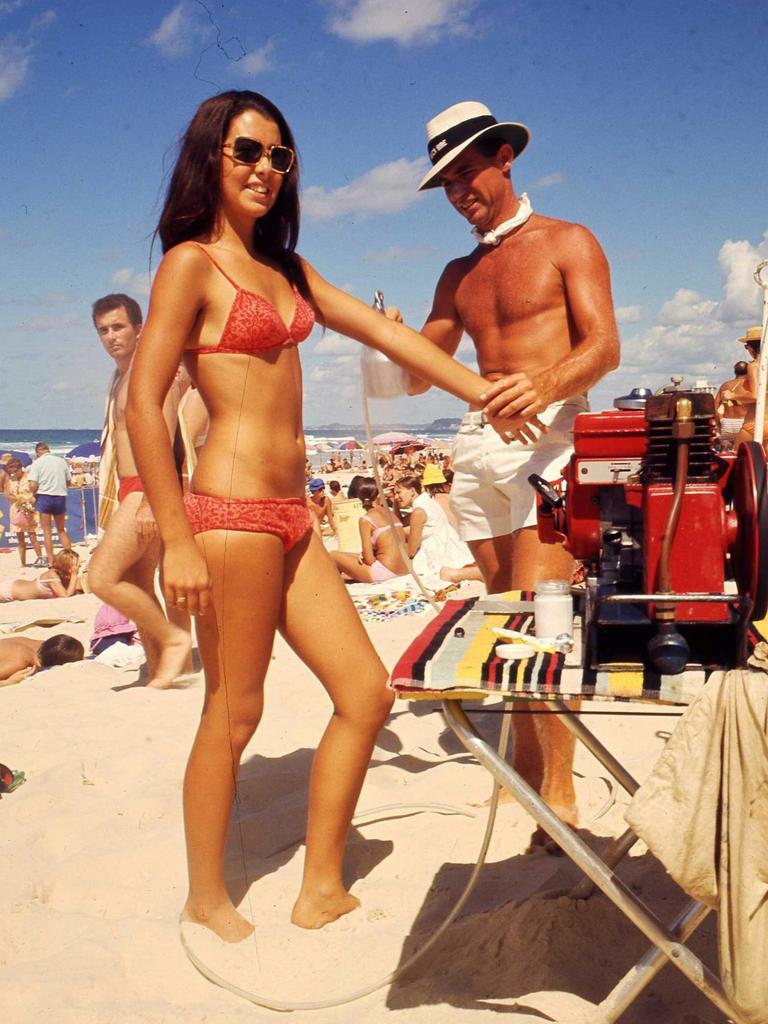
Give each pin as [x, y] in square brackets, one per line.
[251, 151]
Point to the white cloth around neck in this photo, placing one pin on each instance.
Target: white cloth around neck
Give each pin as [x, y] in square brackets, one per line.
[495, 235]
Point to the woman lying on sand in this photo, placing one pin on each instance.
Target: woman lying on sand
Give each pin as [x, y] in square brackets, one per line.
[58, 581]
[233, 298]
[381, 558]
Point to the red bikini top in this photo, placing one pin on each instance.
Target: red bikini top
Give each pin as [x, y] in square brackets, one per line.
[254, 325]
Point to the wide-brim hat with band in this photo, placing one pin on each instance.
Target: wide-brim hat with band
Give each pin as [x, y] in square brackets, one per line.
[459, 126]
[753, 336]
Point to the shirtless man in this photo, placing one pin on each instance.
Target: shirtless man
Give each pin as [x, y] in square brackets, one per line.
[122, 569]
[535, 297]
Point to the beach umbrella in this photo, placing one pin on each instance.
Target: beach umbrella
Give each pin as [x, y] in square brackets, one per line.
[348, 446]
[393, 437]
[405, 449]
[23, 457]
[89, 450]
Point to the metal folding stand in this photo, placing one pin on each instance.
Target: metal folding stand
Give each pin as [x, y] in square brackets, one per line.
[668, 940]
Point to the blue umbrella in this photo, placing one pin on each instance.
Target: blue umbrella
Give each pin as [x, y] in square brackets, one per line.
[89, 450]
[23, 457]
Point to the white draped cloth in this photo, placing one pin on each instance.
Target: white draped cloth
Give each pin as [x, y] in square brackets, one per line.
[440, 545]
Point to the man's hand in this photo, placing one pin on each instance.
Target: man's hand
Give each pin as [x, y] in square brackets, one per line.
[512, 407]
[146, 526]
[393, 313]
[515, 396]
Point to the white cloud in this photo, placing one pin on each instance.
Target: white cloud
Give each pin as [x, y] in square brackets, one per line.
[16, 53]
[8, 6]
[696, 335]
[14, 66]
[180, 31]
[336, 345]
[629, 314]
[556, 178]
[45, 19]
[421, 21]
[398, 254]
[257, 61]
[388, 188]
[131, 282]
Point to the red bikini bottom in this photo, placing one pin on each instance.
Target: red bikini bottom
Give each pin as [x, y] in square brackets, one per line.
[129, 485]
[287, 518]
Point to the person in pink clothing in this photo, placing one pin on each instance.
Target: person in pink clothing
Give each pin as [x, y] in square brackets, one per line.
[381, 558]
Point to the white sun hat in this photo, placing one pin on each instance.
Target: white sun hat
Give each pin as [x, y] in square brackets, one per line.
[459, 126]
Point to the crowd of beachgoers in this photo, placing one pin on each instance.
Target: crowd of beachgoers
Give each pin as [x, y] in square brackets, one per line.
[373, 537]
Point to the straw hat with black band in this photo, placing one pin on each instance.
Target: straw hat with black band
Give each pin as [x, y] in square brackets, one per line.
[454, 129]
[753, 336]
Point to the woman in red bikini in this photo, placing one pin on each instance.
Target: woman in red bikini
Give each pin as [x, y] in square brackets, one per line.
[234, 300]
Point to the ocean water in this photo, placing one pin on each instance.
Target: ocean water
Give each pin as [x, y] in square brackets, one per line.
[59, 441]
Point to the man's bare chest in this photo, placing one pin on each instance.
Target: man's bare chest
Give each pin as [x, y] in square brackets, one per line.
[504, 288]
[120, 397]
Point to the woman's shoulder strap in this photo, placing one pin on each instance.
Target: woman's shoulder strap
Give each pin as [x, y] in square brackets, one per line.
[216, 264]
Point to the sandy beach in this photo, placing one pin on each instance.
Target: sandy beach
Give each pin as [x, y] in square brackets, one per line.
[94, 864]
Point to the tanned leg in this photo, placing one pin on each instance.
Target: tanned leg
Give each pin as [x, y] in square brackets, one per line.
[321, 624]
[121, 573]
[61, 527]
[235, 639]
[45, 520]
[533, 561]
[543, 747]
[22, 548]
[35, 543]
[350, 565]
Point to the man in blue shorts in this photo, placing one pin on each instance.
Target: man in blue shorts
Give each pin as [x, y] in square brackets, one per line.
[49, 479]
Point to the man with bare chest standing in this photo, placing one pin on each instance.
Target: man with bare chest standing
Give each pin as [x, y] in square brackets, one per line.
[122, 569]
[534, 296]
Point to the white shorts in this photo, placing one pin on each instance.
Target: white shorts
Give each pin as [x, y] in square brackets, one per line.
[490, 494]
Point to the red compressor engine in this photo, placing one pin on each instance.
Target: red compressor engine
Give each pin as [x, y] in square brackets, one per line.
[673, 531]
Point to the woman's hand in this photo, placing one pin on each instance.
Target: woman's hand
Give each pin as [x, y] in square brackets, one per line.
[186, 582]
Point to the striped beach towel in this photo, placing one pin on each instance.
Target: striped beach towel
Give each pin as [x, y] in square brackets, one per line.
[454, 656]
[108, 481]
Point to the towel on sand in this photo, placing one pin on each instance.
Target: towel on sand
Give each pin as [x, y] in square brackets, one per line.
[703, 811]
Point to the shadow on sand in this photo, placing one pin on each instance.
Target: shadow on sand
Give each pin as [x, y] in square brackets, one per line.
[503, 949]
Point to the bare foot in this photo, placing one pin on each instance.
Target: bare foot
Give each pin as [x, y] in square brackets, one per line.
[450, 575]
[225, 921]
[172, 660]
[318, 911]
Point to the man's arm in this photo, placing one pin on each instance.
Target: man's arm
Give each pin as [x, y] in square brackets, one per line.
[587, 290]
[145, 520]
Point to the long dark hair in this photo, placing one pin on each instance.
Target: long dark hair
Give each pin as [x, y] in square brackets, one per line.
[194, 194]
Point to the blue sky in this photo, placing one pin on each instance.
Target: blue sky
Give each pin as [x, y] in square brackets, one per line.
[648, 126]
